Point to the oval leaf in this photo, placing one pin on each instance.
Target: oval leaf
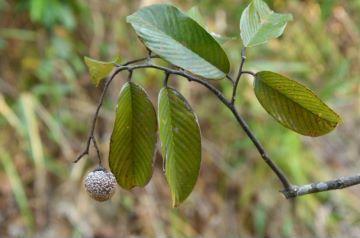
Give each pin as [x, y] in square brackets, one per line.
[293, 105]
[99, 69]
[133, 139]
[180, 40]
[180, 143]
[258, 23]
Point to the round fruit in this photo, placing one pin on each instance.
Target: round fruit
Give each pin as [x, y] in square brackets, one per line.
[100, 184]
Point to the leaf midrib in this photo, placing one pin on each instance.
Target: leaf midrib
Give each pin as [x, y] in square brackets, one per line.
[133, 182]
[171, 135]
[262, 23]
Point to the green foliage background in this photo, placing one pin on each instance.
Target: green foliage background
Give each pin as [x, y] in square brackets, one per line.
[47, 101]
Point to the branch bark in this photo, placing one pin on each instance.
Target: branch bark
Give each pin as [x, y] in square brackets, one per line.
[289, 190]
[243, 58]
[93, 124]
[340, 183]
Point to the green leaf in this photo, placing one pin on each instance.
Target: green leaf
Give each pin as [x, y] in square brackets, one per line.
[179, 39]
[195, 14]
[258, 23]
[180, 143]
[293, 105]
[133, 139]
[99, 69]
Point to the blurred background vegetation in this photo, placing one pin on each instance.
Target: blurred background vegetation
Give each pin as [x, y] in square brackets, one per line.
[47, 101]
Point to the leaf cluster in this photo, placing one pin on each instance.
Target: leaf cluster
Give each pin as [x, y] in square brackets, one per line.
[183, 40]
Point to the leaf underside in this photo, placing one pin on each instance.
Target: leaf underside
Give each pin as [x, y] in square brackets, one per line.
[179, 39]
[180, 143]
[258, 23]
[293, 105]
[133, 139]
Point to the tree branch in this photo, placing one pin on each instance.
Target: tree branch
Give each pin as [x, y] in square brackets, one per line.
[339, 183]
[243, 58]
[93, 124]
[285, 182]
[289, 190]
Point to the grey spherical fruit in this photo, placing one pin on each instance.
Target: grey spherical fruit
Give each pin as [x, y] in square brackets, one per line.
[100, 184]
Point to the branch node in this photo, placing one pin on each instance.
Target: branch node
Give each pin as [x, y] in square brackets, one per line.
[243, 53]
[236, 82]
[290, 192]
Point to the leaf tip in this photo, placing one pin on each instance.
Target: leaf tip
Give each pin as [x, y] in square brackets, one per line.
[174, 204]
[87, 61]
[175, 201]
[339, 118]
[128, 18]
[289, 17]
